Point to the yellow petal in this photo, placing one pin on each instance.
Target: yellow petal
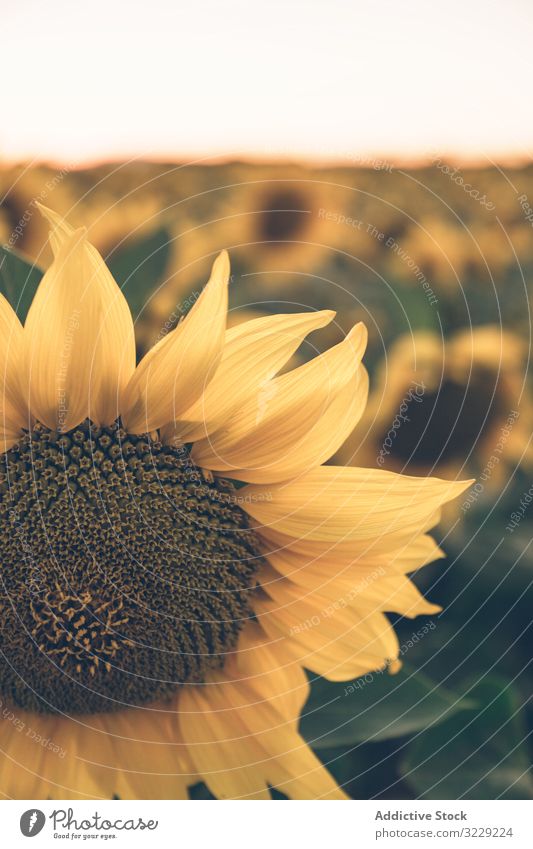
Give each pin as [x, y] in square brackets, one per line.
[268, 429]
[286, 761]
[78, 339]
[331, 562]
[336, 642]
[29, 769]
[253, 353]
[21, 765]
[135, 754]
[145, 756]
[60, 229]
[347, 551]
[241, 743]
[394, 594]
[219, 747]
[114, 355]
[336, 503]
[334, 625]
[321, 441]
[275, 676]
[377, 590]
[177, 370]
[13, 414]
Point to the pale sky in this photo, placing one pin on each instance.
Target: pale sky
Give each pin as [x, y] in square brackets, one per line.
[302, 78]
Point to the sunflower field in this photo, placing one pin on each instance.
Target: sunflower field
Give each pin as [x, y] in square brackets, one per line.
[437, 263]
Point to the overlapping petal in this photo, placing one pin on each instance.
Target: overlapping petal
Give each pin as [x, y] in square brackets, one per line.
[79, 335]
[336, 503]
[147, 758]
[331, 561]
[45, 757]
[377, 590]
[296, 422]
[346, 550]
[337, 642]
[133, 754]
[174, 374]
[241, 742]
[253, 353]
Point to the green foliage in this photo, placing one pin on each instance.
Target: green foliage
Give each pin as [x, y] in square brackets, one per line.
[19, 279]
[478, 753]
[138, 267]
[375, 707]
[200, 792]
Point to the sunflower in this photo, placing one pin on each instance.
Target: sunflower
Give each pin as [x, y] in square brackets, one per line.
[441, 250]
[168, 535]
[20, 186]
[443, 405]
[292, 223]
[117, 220]
[113, 216]
[284, 227]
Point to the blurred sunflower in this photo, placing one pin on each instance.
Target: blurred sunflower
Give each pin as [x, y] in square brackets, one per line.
[442, 251]
[154, 614]
[454, 255]
[112, 216]
[448, 405]
[20, 186]
[281, 232]
[5, 229]
[291, 225]
[114, 219]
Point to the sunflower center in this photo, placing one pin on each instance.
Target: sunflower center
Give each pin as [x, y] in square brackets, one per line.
[125, 573]
[445, 425]
[283, 218]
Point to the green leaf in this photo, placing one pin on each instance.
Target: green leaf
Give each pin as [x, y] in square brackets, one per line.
[139, 265]
[480, 753]
[19, 279]
[375, 707]
[367, 770]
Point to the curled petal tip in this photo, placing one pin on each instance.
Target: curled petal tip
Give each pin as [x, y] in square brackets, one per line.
[358, 335]
[325, 316]
[221, 267]
[59, 229]
[357, 330]
[394, 666]
[462, 485]
[51, 215]
[452, 489]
